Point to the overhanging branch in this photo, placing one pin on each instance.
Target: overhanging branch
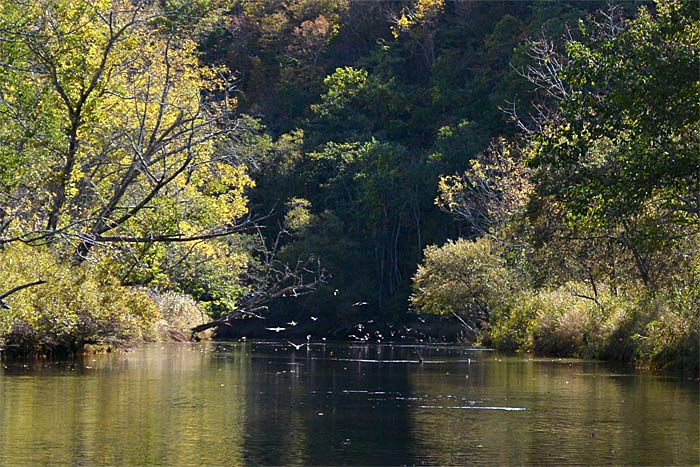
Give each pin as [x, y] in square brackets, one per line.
[3, 303]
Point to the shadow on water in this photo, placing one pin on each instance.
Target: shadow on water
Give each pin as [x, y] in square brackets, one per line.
[269, 403]
[320, 406]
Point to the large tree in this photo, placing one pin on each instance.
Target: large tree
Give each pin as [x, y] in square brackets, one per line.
[109, 128]
[618, 158]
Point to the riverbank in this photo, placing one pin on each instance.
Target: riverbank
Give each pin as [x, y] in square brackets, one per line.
[646, 334]
[546, 324]
[83, 308]
[660, 332]
[80, 307]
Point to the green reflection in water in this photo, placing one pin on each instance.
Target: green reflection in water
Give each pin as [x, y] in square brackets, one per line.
[577, 413]
[264, 403]
[150, 407]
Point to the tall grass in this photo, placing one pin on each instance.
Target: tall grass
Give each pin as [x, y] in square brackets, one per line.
[659, 331]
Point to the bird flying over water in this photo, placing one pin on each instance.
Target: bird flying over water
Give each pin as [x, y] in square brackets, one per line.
[277, 329]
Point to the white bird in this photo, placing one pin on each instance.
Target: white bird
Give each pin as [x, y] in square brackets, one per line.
[313, 318]
[296, 346]
[277, 329]
[292, 323]
[360, 304]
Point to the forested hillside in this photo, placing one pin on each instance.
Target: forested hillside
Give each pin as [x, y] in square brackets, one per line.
[365, 105]
[530, 169]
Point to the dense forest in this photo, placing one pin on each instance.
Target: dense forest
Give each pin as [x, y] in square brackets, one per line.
[529, 170]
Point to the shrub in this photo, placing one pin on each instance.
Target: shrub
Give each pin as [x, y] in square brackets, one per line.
[511, 327]
[78, 305]
[465, 277]
[565, 322]
[178, 314]
[672, 339]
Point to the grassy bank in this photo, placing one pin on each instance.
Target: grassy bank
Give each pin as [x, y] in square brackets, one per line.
[657, 332]
[493, 289]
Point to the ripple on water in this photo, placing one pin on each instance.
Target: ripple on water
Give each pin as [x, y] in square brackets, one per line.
[473, 407]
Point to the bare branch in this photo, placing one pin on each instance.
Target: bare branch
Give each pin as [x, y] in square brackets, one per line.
[270, 280]
[3, 303]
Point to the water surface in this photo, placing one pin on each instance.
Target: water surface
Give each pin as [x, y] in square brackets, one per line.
[270, 404]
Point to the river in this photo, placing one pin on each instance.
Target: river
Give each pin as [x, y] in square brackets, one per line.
[267, 403]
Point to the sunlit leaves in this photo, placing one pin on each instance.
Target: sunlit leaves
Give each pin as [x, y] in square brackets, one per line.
[422, 15]
[135, 140]
[78, 305]
[494, 189]
[463, 277]
[622, 156]
[341, 88]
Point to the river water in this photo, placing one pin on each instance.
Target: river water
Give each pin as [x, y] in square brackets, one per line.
[271, 404]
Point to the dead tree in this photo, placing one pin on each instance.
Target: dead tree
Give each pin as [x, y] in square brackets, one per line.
[268, 278]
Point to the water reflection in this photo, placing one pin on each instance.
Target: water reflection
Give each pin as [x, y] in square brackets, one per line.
[577, 412]
[268, 404]
[316, 407]
[150, 407]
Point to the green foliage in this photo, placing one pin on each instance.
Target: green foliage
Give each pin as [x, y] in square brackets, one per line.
[118, 147]
[382, 118]
[464, 277]
[491, 193]
[178, 314]
[114, 160]
[78, 305]
[570, 323]
[658, 332]
[621, 156]
[342, 87]
[298, 217]
[363, 198]
[511, 326]
[671, 339]
[363, 110]
[615, 202]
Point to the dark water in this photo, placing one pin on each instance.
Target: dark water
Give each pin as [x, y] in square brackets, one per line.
[266, 403]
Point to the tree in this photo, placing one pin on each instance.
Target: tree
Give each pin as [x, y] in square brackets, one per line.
[619, 155]
[419, 22]
[491, 192]
[119, 125]
[463, 277]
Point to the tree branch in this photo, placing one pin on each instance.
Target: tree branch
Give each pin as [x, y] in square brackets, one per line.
[3, 303]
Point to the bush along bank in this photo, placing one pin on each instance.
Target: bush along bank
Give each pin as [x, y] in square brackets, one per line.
[81, 306]
[658, 330]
